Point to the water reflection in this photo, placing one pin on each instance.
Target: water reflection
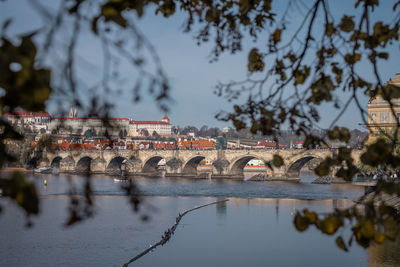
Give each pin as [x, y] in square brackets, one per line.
[254, 228]
[221, 207]
[386, 255]
[240, 232]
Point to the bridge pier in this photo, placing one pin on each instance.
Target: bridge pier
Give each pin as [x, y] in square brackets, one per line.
[43, 162]
[98, 165]
[170, 170]
[67, 164]
[133, 166]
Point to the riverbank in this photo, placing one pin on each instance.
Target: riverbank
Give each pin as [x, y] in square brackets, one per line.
[8, 170]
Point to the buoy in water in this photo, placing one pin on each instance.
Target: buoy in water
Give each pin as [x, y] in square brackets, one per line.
[45, 182]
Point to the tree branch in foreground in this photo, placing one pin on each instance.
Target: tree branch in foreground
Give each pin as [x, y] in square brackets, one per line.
[167, 235]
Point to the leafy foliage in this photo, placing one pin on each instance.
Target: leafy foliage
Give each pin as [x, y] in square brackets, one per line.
[369, 223]
[45, 142]
[22, 192]
[287, 91]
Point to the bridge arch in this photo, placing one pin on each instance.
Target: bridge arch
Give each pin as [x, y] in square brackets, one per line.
[33, 162]
[83, 165]
[150, 165]
[115, 165]
[294, 167]
[55, 162]
[190, 166]
[237, 165]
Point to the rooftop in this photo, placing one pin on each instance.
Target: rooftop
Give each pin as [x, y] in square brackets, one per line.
[90, 118]
[23, 113]
[149, 122]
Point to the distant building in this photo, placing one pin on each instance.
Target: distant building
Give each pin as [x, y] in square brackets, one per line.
[255, 163]
[35, 121]
[90, 126]
[380, 115]
[298, 145]
[268, 145]
[162, 128]
[227, 129]
[195, 144]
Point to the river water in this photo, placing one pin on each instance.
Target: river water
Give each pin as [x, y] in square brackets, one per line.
[254, 228]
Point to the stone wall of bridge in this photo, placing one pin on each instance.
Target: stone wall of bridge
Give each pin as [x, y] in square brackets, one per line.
[226, 163]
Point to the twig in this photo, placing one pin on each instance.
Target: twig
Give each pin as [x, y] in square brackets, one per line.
[167, 234]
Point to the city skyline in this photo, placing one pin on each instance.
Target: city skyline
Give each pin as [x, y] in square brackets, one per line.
[192, 77]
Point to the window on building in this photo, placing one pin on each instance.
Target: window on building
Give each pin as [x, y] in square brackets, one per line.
[398, 116]
[373, 117]
[384, 117]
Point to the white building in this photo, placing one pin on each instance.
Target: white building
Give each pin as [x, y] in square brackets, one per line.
[162, 128]
[92, 126]
[35, 121]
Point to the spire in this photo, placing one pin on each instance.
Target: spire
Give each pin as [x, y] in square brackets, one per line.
[165, 119]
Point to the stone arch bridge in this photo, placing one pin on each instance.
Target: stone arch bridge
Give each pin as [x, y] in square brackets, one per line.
[225, 163]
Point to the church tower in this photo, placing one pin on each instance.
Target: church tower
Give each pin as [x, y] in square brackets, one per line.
[165, 119]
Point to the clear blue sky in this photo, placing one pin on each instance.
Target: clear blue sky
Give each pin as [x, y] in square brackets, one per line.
[187, 65]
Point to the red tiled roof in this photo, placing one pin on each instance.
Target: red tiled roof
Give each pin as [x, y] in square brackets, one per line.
[196, 144]
[165, 117]
[23, 113]
[88, 118]
[266, 143]
[41, 114]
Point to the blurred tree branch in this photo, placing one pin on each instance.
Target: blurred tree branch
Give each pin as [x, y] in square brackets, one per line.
[300, 67]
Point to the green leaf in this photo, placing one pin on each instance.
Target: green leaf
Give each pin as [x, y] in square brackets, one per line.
[277, 161]
[209, 16]
[301, 222]
[347, 24]
[111, 13]
[276, 36]
[28, 87]
[311, 216]
[383, 55]
[321, 90]
[323, 168]
[94, 24]
[340, 243]
[329, 225]
[379, 238]
[168, 8]
[352, 59]
[255, 62]
[391, 228]
[329, 29]
[22, 192]
[367, 229]
[301, 75]
[339, 133]
[377, 153]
